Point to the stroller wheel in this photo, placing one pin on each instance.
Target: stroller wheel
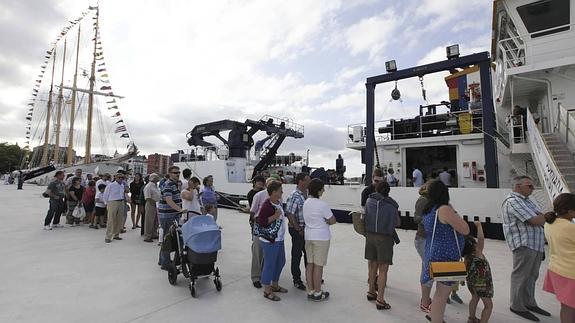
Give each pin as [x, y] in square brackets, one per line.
[192, 290]
[218, 284]
[172, 274]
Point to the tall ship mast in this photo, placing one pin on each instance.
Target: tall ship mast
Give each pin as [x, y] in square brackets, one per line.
[85, 116]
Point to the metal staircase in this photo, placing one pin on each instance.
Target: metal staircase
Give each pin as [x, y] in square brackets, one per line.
[562, 157]
[553, 160]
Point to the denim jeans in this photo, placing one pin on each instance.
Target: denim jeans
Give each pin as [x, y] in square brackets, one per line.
[420, 247]
[54, 211]
[165, 223]
[274, 261]
[297, 249]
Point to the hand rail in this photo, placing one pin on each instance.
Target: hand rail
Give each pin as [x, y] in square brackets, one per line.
[476, 121]
[566, 123]
[517, 49]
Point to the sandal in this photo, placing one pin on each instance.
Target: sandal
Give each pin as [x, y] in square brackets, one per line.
[272, 297]
[425, 309]
[371, 296]
[382, 305]
[429, 318]
[279, 289]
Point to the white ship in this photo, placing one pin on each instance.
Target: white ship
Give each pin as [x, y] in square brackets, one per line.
[531, 64]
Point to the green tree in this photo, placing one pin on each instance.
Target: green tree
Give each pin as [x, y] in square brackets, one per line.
[10, 156]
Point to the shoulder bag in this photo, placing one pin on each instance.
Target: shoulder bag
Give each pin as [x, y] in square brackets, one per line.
[270, 232]
[358, 222]
[446, 270]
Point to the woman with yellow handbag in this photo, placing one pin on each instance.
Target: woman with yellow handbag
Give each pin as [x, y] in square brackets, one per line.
[444, 231]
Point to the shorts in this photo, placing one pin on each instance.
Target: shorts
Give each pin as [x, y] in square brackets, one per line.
[379, 248]
[89, 207]
[100, 211]
[316, 251]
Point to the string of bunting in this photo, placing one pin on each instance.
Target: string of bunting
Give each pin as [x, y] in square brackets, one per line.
[104, 77]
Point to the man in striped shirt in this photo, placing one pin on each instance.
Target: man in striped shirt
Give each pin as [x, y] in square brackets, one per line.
[294, 213]
[170, 207]
[523, 229]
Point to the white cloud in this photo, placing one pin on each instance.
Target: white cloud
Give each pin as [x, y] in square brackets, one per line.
[372, 34]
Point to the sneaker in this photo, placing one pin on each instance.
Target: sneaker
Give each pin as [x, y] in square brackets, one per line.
[47, 227]
[257, 284]
[322, 296]
[456, 298]
[299, 285]
[108, 240]
[57, 225]
[72, 225]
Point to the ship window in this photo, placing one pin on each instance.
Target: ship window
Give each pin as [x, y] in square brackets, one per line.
[545, 14]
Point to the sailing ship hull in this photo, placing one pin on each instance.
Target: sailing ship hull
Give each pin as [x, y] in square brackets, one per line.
[92, 168]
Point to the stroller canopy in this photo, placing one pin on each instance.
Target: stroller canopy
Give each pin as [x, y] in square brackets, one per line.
[202, 234]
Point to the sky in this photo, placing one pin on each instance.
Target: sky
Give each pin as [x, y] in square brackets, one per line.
[182, 63]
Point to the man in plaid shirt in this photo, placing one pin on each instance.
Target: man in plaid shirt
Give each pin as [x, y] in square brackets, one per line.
[523, 229]
[294, 213]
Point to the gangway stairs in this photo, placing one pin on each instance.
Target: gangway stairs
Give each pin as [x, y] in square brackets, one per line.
[553, 160]
[562, 157]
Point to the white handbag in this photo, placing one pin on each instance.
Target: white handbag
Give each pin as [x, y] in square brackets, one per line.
[78, 212]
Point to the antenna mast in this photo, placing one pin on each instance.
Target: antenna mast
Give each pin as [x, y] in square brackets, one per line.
[88, 157]
[59, 110]
[69, 151]
[49, 106]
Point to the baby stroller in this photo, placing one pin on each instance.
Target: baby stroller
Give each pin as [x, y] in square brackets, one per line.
[197, 245]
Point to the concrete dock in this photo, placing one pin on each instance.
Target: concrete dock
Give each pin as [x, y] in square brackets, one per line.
[70, 275]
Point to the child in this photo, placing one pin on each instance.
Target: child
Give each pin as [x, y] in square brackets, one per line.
[479, 280]
[100, 208]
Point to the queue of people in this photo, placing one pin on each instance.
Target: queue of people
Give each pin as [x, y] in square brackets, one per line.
[442, 235]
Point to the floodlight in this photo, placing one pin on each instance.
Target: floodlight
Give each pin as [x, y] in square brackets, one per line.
[452, 51]
[390, 66]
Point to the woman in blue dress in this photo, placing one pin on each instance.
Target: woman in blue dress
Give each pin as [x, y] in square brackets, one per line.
[448, 227]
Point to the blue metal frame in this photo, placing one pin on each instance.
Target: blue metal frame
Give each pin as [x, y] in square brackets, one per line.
[484, 62]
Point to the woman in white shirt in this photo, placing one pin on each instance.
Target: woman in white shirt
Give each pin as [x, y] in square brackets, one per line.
[318, 217]
[190, 197]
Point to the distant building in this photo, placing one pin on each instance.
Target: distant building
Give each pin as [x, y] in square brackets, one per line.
[138, 164]
[159, 164]
[181, 156]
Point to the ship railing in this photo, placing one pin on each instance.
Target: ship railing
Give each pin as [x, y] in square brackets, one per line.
[524, 49]
[446, 124]
[516, 130]
[289, 123]
[565, 125]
